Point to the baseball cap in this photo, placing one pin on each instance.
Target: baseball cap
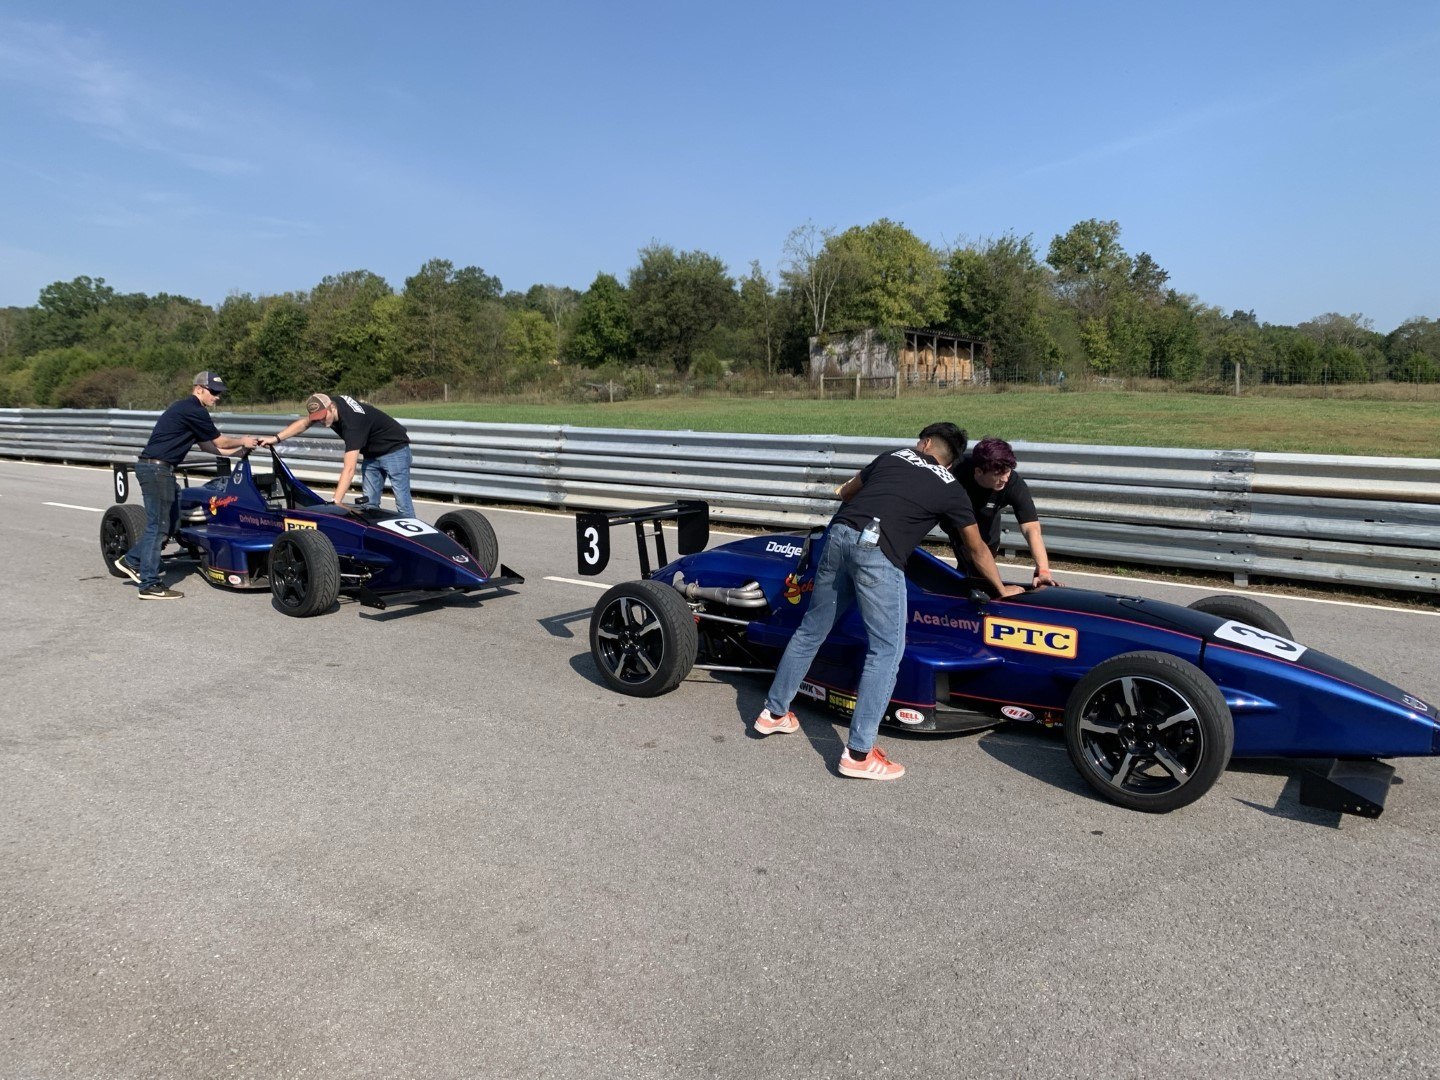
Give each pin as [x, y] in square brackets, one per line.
[211, 382]
[317, 405]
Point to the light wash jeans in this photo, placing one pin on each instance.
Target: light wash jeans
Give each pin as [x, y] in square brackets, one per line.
[162, 514]
[396, 467]
[850, 572]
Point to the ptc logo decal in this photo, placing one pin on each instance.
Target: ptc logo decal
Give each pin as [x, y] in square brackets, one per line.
[296, 523]
[1042, 638]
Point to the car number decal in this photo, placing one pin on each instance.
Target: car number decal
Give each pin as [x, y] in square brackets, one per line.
[1260, 640]
[408, 526]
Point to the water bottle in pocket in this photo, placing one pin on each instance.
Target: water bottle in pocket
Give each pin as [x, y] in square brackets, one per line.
[870, 535]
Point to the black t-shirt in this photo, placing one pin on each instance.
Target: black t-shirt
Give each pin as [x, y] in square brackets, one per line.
[910, 493]
[366, 428]
[988, 503]
[180, 427]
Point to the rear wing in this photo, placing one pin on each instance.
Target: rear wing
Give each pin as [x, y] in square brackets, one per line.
[592, 533]
[120, 474]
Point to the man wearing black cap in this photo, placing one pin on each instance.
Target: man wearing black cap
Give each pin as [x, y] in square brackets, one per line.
[364, 430]
[184, 424]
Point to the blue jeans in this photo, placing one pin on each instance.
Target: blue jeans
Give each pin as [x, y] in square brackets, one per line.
[162, 514]
[395, 466]
[850, 572]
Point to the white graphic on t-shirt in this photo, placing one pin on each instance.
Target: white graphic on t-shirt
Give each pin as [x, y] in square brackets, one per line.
[352, 403]
[915, 459]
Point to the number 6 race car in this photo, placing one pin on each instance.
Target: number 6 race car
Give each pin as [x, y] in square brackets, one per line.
[1154, 698]
[252, 530]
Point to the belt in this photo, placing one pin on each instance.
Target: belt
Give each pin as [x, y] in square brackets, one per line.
[155, 461]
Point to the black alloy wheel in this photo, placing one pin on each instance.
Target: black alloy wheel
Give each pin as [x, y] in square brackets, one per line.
[304, 573]
[643, 638]
[1149, 731]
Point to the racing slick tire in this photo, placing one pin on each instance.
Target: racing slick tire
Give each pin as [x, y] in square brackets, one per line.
[1244, 610]
[120, 529]
[304, 573]
[643, 638]
[1148, 731]
[471, 530]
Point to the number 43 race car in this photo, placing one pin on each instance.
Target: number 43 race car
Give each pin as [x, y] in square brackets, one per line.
[1154, 698]
[266, 530]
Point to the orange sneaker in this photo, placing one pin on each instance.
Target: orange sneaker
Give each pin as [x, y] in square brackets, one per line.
[873, 766]
[770, 725]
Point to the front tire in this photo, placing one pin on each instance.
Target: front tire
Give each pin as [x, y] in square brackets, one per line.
[1244, 610]
[643, 638]
[471, 530]
[304, 573]
[1148, 731]
[120, 530]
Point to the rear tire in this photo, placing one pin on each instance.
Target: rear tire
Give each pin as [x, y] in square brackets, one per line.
[1148, 731]
[120, 530]
[1244, 610]
[471, 530]
[304, 573]
[643, 638]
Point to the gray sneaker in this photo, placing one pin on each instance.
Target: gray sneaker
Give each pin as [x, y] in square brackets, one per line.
[159, 592]
[128, 570]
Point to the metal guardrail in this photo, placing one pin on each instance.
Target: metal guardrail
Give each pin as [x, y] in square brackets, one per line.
[1360, 520]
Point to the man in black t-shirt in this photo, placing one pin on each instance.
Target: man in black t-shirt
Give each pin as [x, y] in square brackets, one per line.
[889, 507]
[184, 424]
[365, 430]
[989, 477]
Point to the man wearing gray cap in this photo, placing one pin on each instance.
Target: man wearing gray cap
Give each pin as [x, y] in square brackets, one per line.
[184, 424]
[364, 430]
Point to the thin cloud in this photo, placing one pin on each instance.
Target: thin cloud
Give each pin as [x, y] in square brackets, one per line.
[74, 76]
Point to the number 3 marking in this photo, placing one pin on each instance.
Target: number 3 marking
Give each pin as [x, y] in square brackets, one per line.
[592, 555]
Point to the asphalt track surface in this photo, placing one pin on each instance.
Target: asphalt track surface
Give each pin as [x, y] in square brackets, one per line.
[426, 842]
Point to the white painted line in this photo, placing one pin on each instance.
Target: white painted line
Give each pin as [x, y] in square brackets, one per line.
[68, 506]
[577, 581]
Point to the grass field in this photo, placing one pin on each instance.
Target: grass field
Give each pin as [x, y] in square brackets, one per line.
[1313, 425]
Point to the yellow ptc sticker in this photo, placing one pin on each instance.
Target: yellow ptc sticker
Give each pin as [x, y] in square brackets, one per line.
[295, 523]
[1032, 637]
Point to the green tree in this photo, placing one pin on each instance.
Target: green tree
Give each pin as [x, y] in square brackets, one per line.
[603, 331]
[343, 337]
[760, 313]
[896, 279]
[676, 300]
[813, 271]
[530, 339]
[1412, 350]
[276, 354]
[997, 291]
[65, 307]
[453, 319]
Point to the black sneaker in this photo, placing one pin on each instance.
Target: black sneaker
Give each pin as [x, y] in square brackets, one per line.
[160, 592]
[128, 570]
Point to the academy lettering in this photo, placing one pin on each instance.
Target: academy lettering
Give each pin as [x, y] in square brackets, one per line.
[947, 621]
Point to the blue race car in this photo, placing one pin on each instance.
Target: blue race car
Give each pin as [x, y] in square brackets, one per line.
[266, 530]
[1154, 698]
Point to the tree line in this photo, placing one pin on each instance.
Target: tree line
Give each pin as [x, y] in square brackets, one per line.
[1087, 307]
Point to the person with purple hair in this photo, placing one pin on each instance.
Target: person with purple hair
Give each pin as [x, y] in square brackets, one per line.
[988, 475]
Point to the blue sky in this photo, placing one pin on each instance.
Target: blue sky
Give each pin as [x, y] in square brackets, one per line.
[1283, 157]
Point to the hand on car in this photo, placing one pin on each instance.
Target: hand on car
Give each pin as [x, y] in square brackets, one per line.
[1039, 581]
[1011, 590]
